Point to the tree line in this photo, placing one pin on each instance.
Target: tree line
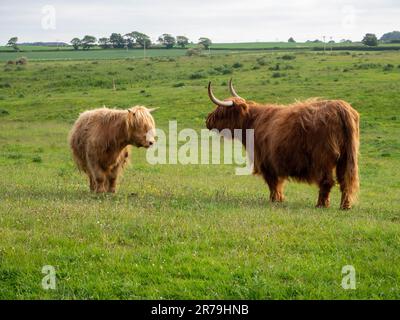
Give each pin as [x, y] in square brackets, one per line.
[137, 39]
[370, 39]
[133, 40]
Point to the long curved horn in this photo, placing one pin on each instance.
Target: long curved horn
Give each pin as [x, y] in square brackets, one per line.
[217, 101]
[232, 90]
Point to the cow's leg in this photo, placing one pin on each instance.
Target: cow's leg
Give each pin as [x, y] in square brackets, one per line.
[276, 189]
[92, 181]
[96, 172]
[113, 177]
[325, 186]
[275, 185]
[345, 202]
[100, 179]
[100, 182]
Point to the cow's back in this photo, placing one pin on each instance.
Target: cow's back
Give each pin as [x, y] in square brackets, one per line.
[302, 140]
[79, 136]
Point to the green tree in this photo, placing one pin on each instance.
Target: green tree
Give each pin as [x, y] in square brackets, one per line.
[129, 42]
[104, 43]
[291, 40]
[88, 42]
[13, 43]
[370, 40]
[167, 40]
[117, 40]
[391, 37]
[139, 39]
[205, 42]
[182, 41]
[76, 43]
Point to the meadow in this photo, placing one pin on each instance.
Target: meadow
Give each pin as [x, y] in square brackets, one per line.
[47, 53]
[193, 231]
[93, 54]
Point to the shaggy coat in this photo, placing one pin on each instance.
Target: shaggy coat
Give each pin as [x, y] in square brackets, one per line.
[305, 141]
[100, 141]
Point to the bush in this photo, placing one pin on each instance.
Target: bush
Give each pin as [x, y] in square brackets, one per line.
[226, 71]
[22, 61]
[288, 57]
[237, 65]
[277, 75]
[193, 52]
[275, 68]
[10, 62]
[178, 85]
[388, 67]
[366, 66]
[37, 159]
[197, 75]
[223, 69]
[288, 67]
[3, 113]
[261, 61]
[5, 85]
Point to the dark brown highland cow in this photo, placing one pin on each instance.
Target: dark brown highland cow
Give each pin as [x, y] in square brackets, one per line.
[100, 141]
[305, 141]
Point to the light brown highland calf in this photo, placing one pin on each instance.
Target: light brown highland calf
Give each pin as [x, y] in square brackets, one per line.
[100, 141]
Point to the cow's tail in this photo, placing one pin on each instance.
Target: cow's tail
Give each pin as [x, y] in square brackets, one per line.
[347, 169]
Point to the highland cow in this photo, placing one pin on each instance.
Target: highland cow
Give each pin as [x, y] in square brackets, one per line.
[101, 140]
[305, 141]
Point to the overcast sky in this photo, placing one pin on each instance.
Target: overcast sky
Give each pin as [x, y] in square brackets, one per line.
[220, 20]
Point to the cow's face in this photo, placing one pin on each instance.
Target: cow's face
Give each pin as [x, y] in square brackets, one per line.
[229, 114]
[228, 117]
[141, 127]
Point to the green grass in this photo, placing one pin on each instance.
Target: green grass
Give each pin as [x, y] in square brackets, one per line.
[35, 48]
[91, 54]
[195, 231]
[289, 45]
[67, 53]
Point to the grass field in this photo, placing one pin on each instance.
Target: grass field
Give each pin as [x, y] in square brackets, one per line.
[47, 53]
[193, 231]
[92, 54]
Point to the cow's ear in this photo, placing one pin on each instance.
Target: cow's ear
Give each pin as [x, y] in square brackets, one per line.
[131, 112]
[240, 103]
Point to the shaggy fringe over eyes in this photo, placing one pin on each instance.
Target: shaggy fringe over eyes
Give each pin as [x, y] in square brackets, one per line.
[141, 118]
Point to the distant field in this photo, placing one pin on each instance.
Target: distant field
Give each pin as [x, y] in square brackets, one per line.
[267, 45]
[292, 46]
[67, 53]
[193, 231]
[95, 54]
[36, 48]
